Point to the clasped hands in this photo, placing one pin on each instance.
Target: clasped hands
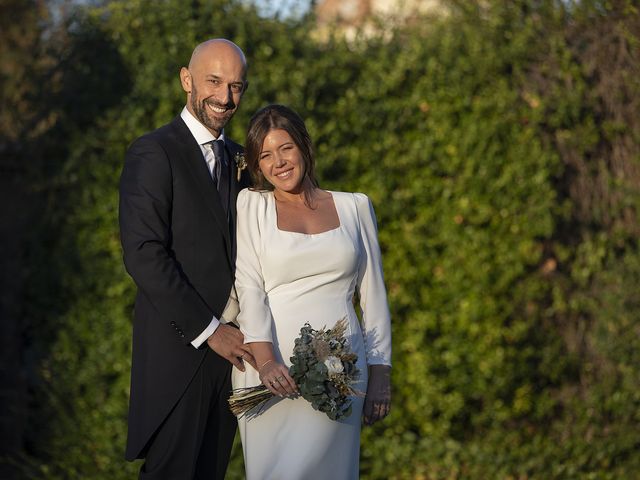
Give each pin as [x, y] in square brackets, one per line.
[228, 342]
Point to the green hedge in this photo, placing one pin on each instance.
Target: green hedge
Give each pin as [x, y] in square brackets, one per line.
[515, 314]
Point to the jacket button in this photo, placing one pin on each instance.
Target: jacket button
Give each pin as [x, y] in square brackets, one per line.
[173, 324]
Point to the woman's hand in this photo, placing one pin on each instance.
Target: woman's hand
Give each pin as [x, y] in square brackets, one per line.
[275, 376]
[377, 403]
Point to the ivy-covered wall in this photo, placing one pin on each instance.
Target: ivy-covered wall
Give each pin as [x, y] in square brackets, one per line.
[500, 145]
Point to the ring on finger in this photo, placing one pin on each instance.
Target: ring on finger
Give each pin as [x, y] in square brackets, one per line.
[280, 378]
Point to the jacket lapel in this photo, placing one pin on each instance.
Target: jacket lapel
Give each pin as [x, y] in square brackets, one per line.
[232, 150]
[192, 156]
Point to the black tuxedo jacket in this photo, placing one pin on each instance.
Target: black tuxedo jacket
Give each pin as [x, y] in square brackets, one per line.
[181, 255]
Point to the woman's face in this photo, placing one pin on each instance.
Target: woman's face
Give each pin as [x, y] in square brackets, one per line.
[281, 162]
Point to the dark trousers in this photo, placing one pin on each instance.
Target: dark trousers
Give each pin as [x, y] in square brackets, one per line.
[195, 440]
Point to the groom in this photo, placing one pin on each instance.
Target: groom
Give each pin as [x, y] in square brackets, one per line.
[177, 222]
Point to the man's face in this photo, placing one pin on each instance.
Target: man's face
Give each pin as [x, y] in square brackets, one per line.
[216, 85]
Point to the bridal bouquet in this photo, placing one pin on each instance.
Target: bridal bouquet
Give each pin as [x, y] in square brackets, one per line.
[323, 367]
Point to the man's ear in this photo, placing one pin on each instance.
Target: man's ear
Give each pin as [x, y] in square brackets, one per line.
[185, 79]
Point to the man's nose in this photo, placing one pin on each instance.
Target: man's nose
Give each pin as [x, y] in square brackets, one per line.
[224, 94]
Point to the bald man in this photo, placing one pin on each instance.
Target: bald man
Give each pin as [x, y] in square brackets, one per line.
[177, 223]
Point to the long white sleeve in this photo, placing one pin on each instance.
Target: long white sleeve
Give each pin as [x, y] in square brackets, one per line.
[373, 294]
[254, 319]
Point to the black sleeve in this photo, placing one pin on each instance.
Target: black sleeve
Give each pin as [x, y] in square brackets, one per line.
[145, 229]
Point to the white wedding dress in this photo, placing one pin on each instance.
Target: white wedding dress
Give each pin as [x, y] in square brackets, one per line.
[285, 279]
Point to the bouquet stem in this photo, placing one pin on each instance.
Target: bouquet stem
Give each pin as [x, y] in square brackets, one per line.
[244, 399]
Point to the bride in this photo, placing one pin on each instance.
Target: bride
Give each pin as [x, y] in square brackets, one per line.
[302, 254]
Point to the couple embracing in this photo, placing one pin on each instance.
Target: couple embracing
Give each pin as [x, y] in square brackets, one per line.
[232, 252]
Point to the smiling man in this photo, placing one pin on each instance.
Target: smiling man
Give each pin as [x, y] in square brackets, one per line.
[214, 82]
[178, 194]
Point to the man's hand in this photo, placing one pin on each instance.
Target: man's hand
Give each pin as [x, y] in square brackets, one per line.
[377, 403]
[228, 342]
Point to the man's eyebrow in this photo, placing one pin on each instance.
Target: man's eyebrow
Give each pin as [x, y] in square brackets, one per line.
[218, 77]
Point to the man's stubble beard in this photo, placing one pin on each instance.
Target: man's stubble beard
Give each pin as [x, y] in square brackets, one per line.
[200, 110]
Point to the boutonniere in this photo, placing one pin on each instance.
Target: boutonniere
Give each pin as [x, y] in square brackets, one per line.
[241, 163]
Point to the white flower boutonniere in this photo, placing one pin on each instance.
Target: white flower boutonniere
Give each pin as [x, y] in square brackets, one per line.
[241, 163]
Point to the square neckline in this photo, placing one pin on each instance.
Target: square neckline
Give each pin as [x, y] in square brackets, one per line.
[335, 206]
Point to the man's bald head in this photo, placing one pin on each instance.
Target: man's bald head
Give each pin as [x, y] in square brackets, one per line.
[215, 82]
[216, 47]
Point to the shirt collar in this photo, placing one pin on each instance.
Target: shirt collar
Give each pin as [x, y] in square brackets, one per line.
[197, 129]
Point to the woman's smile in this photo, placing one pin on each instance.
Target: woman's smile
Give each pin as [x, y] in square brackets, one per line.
[285, 174]
[281, 162]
